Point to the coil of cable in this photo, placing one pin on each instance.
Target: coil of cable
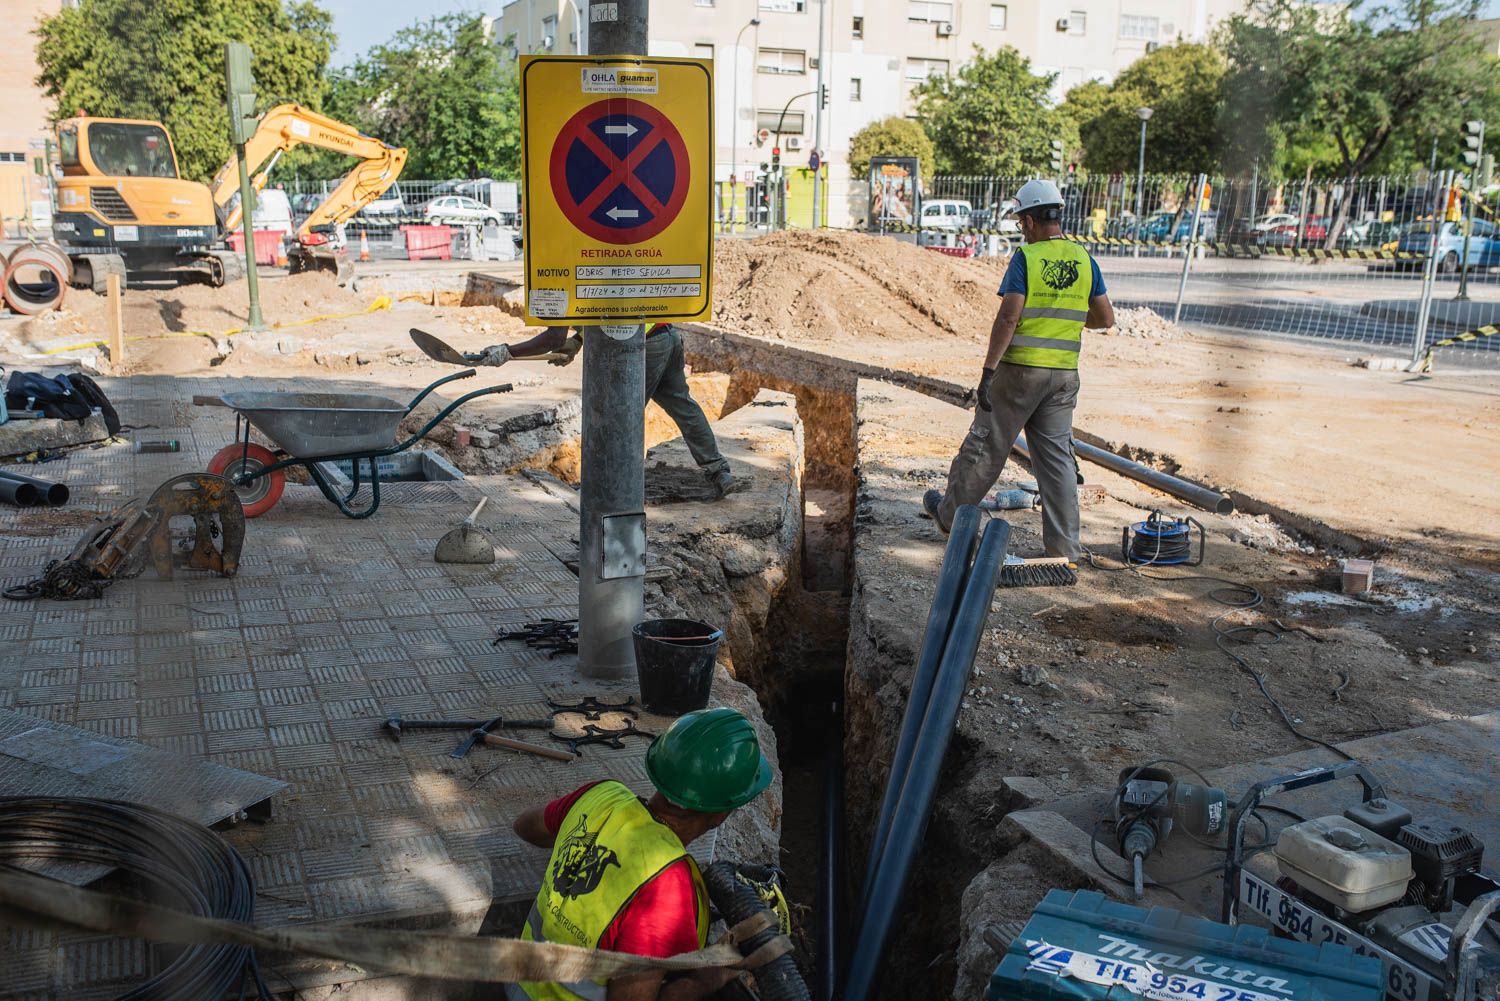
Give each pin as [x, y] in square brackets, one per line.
[168, 860]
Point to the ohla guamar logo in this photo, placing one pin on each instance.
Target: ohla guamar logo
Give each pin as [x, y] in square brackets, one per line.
[581, 862]
[1059, 274]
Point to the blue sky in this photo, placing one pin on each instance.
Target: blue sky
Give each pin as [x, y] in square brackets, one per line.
[363, 23]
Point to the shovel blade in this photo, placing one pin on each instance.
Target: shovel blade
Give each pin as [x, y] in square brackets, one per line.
[465, 544]
[436, 348]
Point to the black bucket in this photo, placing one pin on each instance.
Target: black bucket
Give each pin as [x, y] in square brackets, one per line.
[674, 660]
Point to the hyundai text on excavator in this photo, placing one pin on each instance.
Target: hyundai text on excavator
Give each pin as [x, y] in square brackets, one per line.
[123, 208]
[317, 246]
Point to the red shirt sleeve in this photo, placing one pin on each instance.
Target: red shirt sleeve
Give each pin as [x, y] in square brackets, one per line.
[556, 811]
[661, 920]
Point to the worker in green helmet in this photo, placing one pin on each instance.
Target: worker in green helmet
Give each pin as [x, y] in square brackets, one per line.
[620, 877]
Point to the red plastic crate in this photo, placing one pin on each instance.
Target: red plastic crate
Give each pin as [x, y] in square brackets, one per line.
[265, 244]
[428, 243]
[954, 251]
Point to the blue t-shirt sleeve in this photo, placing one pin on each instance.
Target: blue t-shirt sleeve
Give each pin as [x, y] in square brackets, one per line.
[1099, 288]
[1015, 275]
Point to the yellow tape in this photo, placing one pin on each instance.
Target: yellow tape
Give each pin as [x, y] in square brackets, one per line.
[1488, 330]
[380, 302]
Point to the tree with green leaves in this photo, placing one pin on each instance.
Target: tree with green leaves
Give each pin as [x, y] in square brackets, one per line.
[164, 61]
[893, 136]
[994, 117]
[1182, 84]
[1365, 77]
[443, 89]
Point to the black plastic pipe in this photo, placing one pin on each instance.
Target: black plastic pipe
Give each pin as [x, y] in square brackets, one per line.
[953, 575]
[914, 807]
[53, 493]
[19, 493]
[832, 889]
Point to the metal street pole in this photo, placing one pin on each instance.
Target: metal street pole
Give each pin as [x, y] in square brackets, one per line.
[1140, 179]
[1187, 257]
[817, 219]
[612, 520]
[247, 228]
[1429, 273]
[734, 124]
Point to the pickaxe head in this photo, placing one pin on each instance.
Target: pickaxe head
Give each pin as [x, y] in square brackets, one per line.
[393, 727]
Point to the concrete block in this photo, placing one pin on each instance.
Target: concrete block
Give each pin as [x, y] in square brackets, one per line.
[1022, 791]
[19, 437]
[483, 439]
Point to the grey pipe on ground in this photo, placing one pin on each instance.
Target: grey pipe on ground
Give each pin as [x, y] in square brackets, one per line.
[19, 493]
[1199, 496]
[53, 493]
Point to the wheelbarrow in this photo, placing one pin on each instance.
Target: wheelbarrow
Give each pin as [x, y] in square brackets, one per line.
[309, 428]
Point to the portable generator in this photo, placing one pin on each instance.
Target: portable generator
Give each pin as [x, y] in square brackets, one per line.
[1411, 893]
[1160, 541]
[1084, 945]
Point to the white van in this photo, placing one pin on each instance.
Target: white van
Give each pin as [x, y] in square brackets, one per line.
[273, 211]
[946, 213]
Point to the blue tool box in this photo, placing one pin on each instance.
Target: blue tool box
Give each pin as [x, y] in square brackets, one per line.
[1084, 945]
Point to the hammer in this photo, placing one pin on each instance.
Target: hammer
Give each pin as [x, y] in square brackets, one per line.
[395, 723]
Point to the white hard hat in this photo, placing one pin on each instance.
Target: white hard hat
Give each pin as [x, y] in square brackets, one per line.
[1037, 193]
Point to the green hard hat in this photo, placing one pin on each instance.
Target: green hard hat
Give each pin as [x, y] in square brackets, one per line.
[709, 761]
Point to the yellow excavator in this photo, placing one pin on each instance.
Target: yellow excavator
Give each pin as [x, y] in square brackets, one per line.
[317, 246]
[123, 208]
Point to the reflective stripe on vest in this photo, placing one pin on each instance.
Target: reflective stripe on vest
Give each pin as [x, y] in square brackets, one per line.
[608, 847]
[1059, 279]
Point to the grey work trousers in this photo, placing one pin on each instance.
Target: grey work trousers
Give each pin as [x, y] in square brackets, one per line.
[1040, 400]
[666, 383]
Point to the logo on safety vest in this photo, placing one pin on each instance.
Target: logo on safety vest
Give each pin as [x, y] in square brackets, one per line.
[581, 862]
[1060, 274]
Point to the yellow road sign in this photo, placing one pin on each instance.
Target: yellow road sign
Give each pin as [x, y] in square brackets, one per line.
[617, 171]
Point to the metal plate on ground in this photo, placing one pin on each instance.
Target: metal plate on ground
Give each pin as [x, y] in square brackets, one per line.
[42, 758]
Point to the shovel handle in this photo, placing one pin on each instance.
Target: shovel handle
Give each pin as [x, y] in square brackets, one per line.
[494, 740]
[477, 508]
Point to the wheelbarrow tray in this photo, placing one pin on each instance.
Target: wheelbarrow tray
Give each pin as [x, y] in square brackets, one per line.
[309, 425]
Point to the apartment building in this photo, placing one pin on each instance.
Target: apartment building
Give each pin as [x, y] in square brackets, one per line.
[874, 51]
[24, 126]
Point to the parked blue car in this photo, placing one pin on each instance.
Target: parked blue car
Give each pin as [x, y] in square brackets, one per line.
[1156, 226]
[1484, 244]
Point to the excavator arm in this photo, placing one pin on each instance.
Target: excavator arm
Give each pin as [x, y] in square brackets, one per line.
[289, 125]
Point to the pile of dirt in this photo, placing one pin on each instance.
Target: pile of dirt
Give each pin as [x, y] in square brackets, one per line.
[1144, 323]
[829, 286]
[152, 312]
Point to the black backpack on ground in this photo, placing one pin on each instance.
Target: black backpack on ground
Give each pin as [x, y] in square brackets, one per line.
[67, 397]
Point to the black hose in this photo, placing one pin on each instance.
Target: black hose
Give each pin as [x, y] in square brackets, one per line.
[54, 493]
[19, 492]
[181, 864]
[778, 980]
[914, 805]
[953, 576]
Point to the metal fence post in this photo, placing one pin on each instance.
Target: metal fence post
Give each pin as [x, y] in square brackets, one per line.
[1192, 245]
[1441, 182]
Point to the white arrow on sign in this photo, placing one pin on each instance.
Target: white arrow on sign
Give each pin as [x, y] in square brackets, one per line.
[617, 213]
[626, 130]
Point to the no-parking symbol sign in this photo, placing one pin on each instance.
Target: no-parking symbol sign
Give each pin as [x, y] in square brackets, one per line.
[617, 170]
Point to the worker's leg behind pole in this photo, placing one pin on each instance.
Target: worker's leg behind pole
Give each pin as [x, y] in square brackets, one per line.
[666, 383]
[1049, 438]
[1014, 394]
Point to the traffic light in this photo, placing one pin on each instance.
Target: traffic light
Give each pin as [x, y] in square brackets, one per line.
[1057, 156]
[823, 96]
[241, 86]
[1473, 142]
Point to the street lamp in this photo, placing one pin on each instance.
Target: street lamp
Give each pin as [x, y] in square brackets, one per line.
[1144, 114]
[734, 119]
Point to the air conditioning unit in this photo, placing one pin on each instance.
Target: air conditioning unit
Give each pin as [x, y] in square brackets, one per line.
[547, 42]
[945, 29]
[1152, 46]
[1062, 24]
[812, 63]
[792, 142]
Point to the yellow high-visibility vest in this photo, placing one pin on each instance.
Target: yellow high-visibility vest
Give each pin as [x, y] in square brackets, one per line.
[1059, 278]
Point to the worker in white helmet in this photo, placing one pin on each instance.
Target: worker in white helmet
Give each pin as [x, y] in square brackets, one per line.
[1051, 291]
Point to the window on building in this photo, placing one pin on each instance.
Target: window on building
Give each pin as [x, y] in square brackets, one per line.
[703, 3]
[791, 125]
[999, 16]
[856, 88]
[921, 69]
[784, 6]
[1078, 22]
[549, 30]
[703, 50]
[931, 11]
[781, 61]
[12, 157]
[1140, 27]
[859, 27]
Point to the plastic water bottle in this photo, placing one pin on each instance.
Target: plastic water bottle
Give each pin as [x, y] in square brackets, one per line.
[1009, 500]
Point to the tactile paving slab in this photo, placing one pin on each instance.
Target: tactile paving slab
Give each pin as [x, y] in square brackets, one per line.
[41, 758]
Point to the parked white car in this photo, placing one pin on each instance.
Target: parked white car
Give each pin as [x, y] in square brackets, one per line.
[457, 210]
[390, 202]
[946, 213]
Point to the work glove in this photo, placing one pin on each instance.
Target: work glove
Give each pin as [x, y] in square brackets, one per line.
[495, 354]
[982, 394]
[568, 350]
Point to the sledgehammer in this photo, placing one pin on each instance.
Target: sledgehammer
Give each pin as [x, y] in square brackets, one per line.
[395, 723]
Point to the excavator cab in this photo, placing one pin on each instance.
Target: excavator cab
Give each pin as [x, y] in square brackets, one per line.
[123, 208]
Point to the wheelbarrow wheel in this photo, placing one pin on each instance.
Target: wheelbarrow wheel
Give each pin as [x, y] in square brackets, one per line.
[260, 494]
